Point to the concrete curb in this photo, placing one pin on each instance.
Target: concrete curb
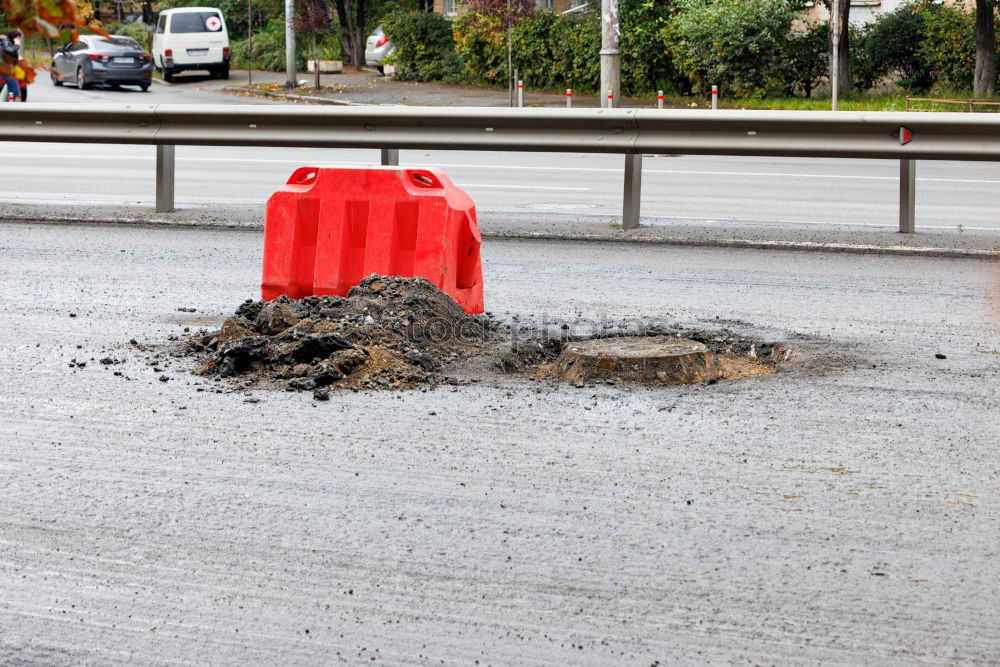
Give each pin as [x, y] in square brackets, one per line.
[642, 236]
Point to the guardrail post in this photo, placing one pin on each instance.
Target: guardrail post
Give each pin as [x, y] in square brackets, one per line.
[390, 157]
[164, 179]
[633, 190]
[907, 196]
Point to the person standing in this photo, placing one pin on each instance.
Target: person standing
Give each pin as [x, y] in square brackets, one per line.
[10, 44]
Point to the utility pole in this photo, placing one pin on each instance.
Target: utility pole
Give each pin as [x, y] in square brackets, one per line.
[835, 66]
[290, 43]
[611, 65]
[510, 58]
[249, 43]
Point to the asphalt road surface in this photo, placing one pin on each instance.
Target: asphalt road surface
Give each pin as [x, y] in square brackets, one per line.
[765, 192]
[842, 511]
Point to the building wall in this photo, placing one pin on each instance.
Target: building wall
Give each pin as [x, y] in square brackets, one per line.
[440, 8]
[866, 11]
[560, 6]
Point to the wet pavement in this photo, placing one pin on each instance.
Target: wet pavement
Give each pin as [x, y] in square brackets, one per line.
[844, 509]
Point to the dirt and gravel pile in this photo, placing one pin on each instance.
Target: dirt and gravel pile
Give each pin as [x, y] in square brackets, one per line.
[394, 333]
[387, 333]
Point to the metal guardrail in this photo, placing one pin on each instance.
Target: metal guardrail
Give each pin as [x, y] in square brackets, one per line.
[631, 132]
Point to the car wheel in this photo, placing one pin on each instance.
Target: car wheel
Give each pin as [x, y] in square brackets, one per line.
[380, 68]
[224, 72]
[143, 87]
[168, 74]
[81, 81]
[56, 81]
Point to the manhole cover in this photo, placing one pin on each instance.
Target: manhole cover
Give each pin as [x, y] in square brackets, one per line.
[662, 359]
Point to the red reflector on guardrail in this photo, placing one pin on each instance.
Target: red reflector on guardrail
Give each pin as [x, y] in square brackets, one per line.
[904, 136]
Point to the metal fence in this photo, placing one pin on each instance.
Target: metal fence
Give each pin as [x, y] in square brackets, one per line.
[630, 132]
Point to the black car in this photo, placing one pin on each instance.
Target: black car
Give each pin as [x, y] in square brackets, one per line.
[114, 60]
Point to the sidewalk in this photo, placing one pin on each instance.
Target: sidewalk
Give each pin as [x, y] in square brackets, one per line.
[369, 87]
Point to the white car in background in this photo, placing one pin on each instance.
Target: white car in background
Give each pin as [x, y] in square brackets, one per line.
[377, 49]
[190, 38]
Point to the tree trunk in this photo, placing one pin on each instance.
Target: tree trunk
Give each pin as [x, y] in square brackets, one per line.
[351, 15]
[844, 82]
[359, 32]
[346, 36]
[986, 58]
[347, 45]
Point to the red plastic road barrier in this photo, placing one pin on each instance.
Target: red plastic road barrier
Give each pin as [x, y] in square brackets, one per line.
[328, 228]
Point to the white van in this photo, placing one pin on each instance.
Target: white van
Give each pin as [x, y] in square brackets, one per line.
[191, 38]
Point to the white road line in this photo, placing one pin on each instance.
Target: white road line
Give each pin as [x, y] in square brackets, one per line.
[22, 197]
[518, 187]
[47, 197]
[452, 165]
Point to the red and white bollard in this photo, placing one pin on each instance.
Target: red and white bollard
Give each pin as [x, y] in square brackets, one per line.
[611, 100]
[520, 93]
[569, 98]
[715, 98]
[659, 99]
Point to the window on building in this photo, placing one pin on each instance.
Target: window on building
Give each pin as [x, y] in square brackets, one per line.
[448, 7]
[543, 4]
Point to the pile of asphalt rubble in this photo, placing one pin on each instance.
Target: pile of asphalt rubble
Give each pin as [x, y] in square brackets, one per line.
[387, 333]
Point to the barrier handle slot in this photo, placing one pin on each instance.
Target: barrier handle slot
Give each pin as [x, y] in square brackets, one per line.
[303, 176]
[425, 179]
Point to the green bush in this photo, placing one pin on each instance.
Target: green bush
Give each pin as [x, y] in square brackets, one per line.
[646, 64]
[328, 46]
[578, 54]
[890, 48]
[481, 48]
[947, 47]
[425, 47]
[536, 40]
[556, 52]
[738, 44]
[136, 31]
[269, 49]
[806, 60]
[549, 51]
